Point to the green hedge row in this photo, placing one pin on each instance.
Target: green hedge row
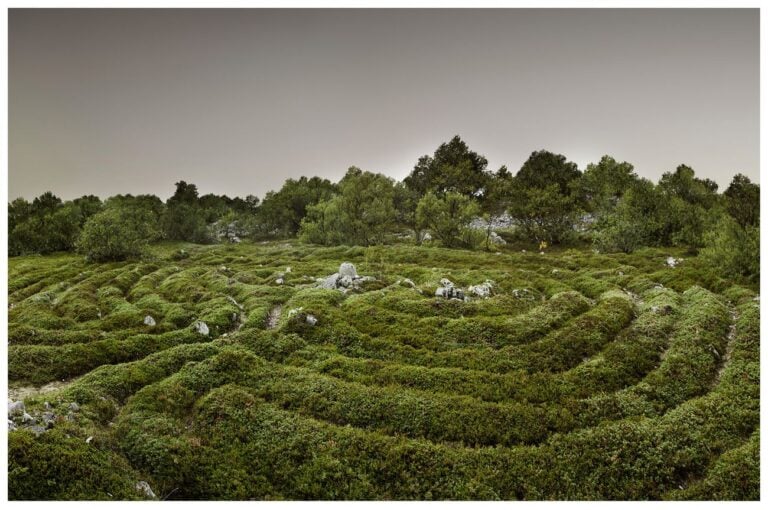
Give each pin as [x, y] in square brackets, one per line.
[688, 367]
[39, 364]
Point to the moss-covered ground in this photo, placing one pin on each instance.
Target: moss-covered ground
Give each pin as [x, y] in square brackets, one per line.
[583, 376]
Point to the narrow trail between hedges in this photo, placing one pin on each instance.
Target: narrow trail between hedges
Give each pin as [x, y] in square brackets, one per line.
[274, 316]
[726, 356]
[24, 392]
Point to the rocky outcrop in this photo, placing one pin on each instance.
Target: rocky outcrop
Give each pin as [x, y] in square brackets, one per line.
[345, 280]
[448, 290]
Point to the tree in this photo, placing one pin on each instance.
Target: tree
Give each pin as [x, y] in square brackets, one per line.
[452, 168]
[88, 205]
[543, 169]
[45, 226]
[637, 220]
[543, 197]
[742, 201]
[361, 214]
[405, 201]
[184, 219]
[603, 184]
[495, 200]
[448, 218]
[281, 212]
[733, 249]
[117, 233]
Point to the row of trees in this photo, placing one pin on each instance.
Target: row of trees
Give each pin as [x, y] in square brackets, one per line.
[549, 199]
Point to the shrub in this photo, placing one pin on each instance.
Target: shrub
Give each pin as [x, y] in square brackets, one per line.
[117, 233]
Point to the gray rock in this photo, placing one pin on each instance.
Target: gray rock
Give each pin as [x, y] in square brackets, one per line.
[15, 408]
[37, 429]
[449, 292]
[48, 418]
[149, 321]
[74, 407]
[201, 327]
[445, 282]
[27, 418]
[426, 237]
[11, 425]
[496, 239]
[144, 488]
[484, 290]
[347, 269]
[330, 282]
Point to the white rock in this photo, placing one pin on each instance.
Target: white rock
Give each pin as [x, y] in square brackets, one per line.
[279, 281]
[311, 320]
[15, 408]
[149, 321]
[483, 290]
[288, 269]
[88, 441]
[329, 282]
[426, 237]
[202, 328]
[672, 261]
[145, 489]
[495, 238]
[347, 269]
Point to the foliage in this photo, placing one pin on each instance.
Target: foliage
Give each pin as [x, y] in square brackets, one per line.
[452, 168]
[361, 214]
[282, 211]
[543, 201]
[734, 250]
[116, 233]
[448, 217]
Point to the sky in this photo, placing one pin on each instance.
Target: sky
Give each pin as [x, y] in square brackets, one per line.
[111, 101]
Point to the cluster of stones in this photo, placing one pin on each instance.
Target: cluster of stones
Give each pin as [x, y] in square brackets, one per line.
[345, 280]
[448, 290]
[484, 290]
[18, 417]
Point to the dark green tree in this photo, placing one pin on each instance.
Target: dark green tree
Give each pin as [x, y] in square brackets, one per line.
[742, 201]
[452, 168]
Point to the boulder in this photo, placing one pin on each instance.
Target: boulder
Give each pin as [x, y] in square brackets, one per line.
[144, 488]
[149, 321]
[345, 280]
[448, 291]
[15, 408]
[495, 238]
[201, 327]
[347, 269]
[484, 290]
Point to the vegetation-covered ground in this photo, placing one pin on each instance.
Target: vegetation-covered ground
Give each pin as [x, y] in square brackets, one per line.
[584, 376]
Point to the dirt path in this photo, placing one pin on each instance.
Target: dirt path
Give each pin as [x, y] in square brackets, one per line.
[725, 357]
[22, 392]
[274, 316]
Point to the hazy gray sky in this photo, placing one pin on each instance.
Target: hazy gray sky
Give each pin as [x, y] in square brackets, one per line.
[236, 101]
